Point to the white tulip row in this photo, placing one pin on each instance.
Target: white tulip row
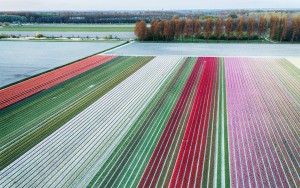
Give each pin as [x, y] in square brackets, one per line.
[73, 154]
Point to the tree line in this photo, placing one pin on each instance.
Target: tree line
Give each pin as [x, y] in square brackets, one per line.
[272, 27]
[89, 17]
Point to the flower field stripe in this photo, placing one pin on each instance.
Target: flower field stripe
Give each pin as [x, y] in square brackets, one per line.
[132, 177]
[289, 79]
[208, 167]
[282, 123]
[114, 165]
[145, 148]
[290, 86]
[238, 163]
[145, 162]
[243, 150]
[226, 157]
[216, 166]
[284, 130]
[179, 60]
[187, 169]
[23, 106]
[87, 146]
[201, 148]
[264, 99]
[165, 121]
[33, 121]
[27, 88]
[158, 158]
[166, 172]
[107, 82]
[122, 157]
[10, 126]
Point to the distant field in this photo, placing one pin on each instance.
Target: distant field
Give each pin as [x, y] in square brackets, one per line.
[71, 27]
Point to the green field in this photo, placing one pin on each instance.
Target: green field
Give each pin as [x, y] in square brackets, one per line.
[71, 27]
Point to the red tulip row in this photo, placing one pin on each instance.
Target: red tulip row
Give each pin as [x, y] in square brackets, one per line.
[189, 163]
[186, 166]
[161, 152]
[27, 88]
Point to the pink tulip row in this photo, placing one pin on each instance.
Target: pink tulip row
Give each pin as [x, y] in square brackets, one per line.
[263, 122]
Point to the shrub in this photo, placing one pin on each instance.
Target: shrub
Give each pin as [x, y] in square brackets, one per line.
[3, 36]
[39, 35]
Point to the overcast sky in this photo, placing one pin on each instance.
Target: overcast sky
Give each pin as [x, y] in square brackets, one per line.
[8, 5]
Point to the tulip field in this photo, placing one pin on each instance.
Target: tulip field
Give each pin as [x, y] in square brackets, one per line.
[154, 121]
[47, 80]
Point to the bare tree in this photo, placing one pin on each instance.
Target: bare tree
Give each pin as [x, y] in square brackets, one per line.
[154, 29]
[219, 28]
[250, 27]
[273, 26]
[178, 28]
[240, 28]
[161, 29]
[189, 28]
[295, 28]
[182, 24]
[197, 28]
[262, 25]
[284, 28]
[140, 30]
[228, 27]
[168, 32]
[208, 28]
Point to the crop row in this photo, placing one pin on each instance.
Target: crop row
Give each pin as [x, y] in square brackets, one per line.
[263, 122]
[166, 121]
[27, 88]
[125, 168]
[73, 153]
[28, 122]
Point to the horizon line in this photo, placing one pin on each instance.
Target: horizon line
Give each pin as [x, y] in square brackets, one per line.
[145, 10]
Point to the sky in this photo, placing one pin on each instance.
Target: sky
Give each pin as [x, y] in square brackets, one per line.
[44, 5]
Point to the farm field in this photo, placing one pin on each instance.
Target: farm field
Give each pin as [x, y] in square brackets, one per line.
[121, 31]
[70, 27]
[74, 34]
[23, 59]
[157, 121]
[27, 88]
